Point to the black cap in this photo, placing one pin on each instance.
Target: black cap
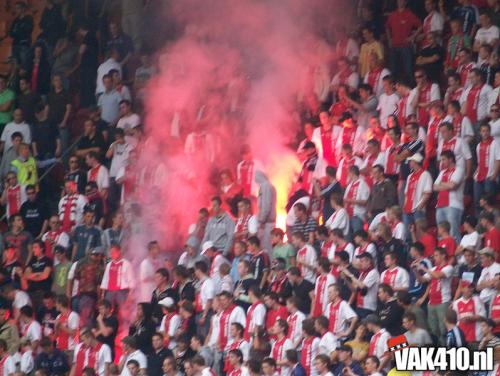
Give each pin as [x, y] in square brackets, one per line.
[59, 249]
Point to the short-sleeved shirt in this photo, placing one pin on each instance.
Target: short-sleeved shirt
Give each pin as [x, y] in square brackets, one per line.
[38, 265]
[95, 142]
[85, 238]
[110, 322]
[109, 102]
[45, 135]
[34, 214]
[57, 105]
[401, 25]
[305, 228]
[284, 251]
[6, 96]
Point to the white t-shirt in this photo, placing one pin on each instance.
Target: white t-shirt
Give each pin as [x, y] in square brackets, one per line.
[380, 343]
[371, 249]
[147, 270]
[213, 340]
[371, 282]
[138, 356]
[9, 367]
[487, 35]
[73, 323]
[487, 274]
[207, 291]
[307, 255]
[459, 306]
[104, 69]
[295, 326]
[362, 194]
[466, 130]
[349, 248]
[399, 231]
[483, 103]
[21, 299]
[27, 362]
[456, 195]
[327, 344]
[461, 150]
[287, 345]
[442, 293]
[103, 357]
[424, 185]
[379, 160]
[32, 331]
[339, 219]
[173, 325]
[344, 314]
[387, 105]
[470, 240]
[258, 317]
[10, 129]
[71, 277]
[62, 239]
[125, 277]
[102, 178]
[493, 157]
[397, 278]
[119, 160]
[127, 123]
[330, 279]
[378, 88]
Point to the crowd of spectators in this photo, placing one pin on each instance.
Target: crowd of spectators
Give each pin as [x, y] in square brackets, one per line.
[391, 225]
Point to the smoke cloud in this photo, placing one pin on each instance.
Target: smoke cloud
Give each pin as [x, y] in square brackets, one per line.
[237, 72]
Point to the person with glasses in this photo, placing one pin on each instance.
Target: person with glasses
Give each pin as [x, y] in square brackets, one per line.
[35, 213]
[76, 174]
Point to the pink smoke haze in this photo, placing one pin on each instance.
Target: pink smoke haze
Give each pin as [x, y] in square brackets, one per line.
[239, 70]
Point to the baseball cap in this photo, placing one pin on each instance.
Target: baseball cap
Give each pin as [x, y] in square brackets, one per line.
[206, 246]
[167, 302]
[59, 249]
[97, 251]
[487, 251]
[417, 157]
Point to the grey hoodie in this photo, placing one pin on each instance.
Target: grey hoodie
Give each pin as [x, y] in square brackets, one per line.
[267, 199]
[220, 231]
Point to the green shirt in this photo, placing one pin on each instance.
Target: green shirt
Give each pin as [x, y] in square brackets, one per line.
[285, 251]
[7, 95]
[61, 278]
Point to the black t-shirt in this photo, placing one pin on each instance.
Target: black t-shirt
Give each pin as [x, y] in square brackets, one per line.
[433, 69]
[57, 105]
[7, 271]
[34, 214]
[89, 57]
[110, 322]
[45, 134]
[97, 206]
[96, 141]
[187, 292]
[38, 265]
[160, 295]
[391, 314]
[301, 291]
[27, 103]
[155, 361]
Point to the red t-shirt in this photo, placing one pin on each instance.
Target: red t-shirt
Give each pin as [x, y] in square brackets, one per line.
[274, 315]
[429, 243]
[492, 240]
[401, 24]
[448, 244]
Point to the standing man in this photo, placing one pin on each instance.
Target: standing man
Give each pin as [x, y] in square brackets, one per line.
[266, 203]
[220, 228]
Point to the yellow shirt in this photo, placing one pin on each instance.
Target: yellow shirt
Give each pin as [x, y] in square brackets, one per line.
[366, 50]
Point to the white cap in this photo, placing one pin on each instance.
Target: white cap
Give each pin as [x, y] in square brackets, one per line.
[417, 157]
[167, 302]
[206, 246]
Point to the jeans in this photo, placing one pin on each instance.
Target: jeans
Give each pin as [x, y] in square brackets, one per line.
[487, 187]
[264, 234]
[401, 60]
[409, 219]
[454, 217]
[117, 298]
[435, 319]
[203, 329]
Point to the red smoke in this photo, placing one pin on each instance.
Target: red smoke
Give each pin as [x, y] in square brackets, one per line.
[238, 71]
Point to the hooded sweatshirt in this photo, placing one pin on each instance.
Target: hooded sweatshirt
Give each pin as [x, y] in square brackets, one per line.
[220, 230]
[266, 200]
